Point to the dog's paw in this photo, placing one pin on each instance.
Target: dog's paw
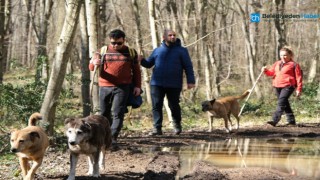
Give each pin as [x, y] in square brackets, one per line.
[96, 175]
[71, 178]
[27, 178]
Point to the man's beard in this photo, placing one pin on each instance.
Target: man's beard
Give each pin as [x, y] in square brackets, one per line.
[171, 43]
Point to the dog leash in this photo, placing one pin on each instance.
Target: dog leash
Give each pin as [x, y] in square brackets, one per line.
[251, 90]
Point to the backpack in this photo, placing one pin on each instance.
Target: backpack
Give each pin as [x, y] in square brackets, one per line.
[104, 49]
[133, 101]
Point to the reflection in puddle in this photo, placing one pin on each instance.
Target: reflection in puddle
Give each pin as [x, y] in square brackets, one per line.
[293, 155]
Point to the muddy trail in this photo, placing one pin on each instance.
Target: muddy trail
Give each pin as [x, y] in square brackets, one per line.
[140, 156]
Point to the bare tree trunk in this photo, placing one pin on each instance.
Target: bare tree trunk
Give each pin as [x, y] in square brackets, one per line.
[62, 54]
[146, 79]
[267, 55]
[318, 94]
[206, 58]
[29, 43]
[280, 24]
[249, 46]
[31, 9]
[4, 51]
[104, 19]
[117, 12]
[153, 31]
[313, 67]
[199, 72]
[214, 63]
[28, 6]
[7, 63]
[42, 67]
[300, 33]
[204, 52]
[85, 73]
[174, 9]
[3, 28]
[186, 10]
[223, 52]
[92, 25]
[188, 7]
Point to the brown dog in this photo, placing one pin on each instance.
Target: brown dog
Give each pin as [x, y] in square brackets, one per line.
[223, 108]
[30, 144]
[90, 136]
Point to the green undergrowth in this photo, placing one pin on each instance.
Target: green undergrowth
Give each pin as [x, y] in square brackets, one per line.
[21, 96]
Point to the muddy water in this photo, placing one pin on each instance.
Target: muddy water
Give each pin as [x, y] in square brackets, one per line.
[291, 155]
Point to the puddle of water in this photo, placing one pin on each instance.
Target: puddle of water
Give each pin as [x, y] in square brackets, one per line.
[293, 155]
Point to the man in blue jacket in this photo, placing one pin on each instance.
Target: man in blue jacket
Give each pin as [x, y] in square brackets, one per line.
[168, 62]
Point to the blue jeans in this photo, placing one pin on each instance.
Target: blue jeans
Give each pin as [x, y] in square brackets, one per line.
[113, 106]
[283, 95]
[173, 94]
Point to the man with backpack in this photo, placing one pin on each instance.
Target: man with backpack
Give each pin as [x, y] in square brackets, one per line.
[118, 69]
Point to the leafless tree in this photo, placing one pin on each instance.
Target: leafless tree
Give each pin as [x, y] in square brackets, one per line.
[85, 73]
[57, 75]
[249, 44]
[316, 58]
[40, 29]
[280, 24]
[4, 22]
[318, 93]
[92, 29]
[139, 43]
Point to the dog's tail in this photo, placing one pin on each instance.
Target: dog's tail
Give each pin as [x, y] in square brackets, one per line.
[245, 94]
[34, 118]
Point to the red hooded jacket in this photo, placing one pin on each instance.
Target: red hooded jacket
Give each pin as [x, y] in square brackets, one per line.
[289, 74]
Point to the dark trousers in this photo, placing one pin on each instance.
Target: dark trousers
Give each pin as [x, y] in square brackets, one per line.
[173, 94]
[113, 102]
[283, 95]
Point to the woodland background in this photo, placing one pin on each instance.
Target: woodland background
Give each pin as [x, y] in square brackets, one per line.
[52, 42]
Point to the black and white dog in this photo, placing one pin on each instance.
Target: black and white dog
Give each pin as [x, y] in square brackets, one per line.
[90, 136]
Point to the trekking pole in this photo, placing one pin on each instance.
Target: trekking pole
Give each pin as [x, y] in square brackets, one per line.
[92, 82]
[93, 77]
[91, 85]
[251, 90]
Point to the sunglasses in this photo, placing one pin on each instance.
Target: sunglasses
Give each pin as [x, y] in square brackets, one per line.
[117, 43]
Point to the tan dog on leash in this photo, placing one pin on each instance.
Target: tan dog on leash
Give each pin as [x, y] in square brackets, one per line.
[223, 108]
[29, 144]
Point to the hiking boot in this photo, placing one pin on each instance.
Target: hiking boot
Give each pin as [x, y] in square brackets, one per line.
[177, 131]
[155, 132]
[271, 123]
[114, 147]
[291, 123]
[113, 140]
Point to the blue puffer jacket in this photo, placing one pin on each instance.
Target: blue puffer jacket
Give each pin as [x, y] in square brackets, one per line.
[169, 63]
